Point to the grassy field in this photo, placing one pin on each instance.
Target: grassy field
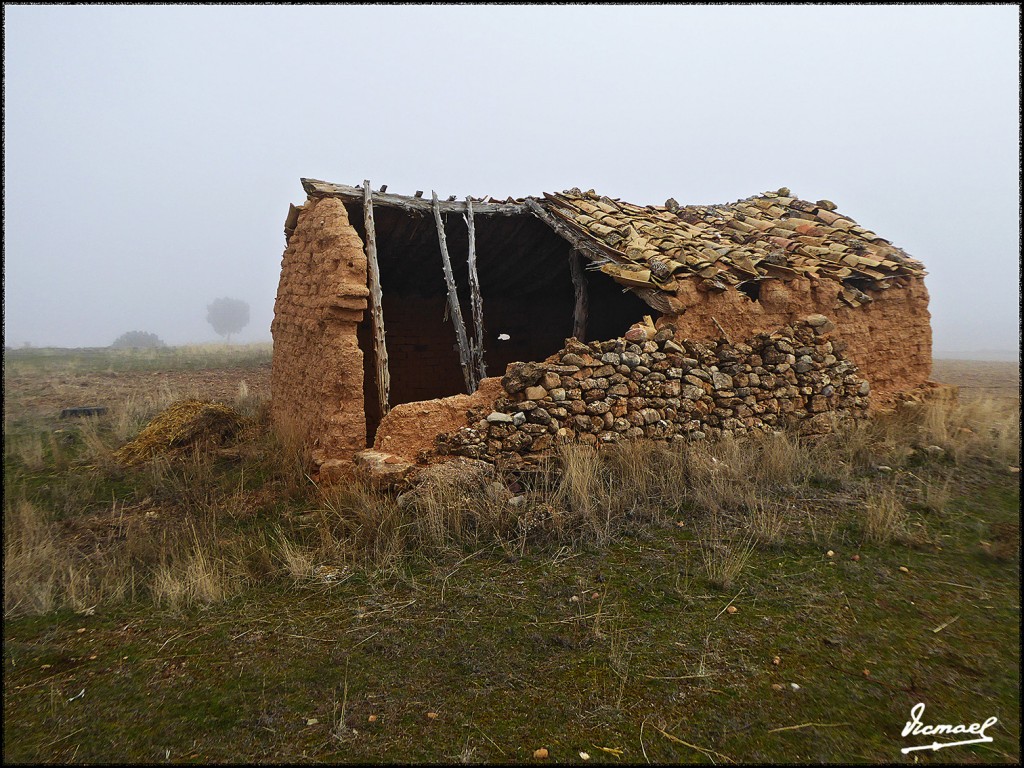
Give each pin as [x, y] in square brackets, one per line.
[769, 601]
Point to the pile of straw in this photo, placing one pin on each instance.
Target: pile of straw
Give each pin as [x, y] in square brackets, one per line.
[185, 425]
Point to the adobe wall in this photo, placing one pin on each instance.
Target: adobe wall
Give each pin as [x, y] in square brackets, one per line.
[316, 382]
[889, 339]
[410, 429]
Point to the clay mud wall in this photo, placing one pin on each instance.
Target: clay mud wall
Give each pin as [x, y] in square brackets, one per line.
[316, 379]
[318, 392]
[660, 389]
[888, 339]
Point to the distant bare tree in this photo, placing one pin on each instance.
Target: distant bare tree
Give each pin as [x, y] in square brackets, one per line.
[227, 316]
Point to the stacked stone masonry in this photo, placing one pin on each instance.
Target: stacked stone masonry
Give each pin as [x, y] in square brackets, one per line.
[661, 389]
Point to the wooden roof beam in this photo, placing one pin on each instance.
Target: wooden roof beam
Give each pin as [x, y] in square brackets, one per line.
[316, 188]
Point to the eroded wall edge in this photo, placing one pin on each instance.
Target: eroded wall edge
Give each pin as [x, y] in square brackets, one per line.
[317, 372]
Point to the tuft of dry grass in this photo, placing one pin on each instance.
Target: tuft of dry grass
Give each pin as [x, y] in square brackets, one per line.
[722, 558]
[298, 560]
[97, 451]
[582, 494]
[128, 417]
[355, 521]
[28, 450]
[248, 404]
[885, 517]
[286, 452]
[195, 576]
[935, 495]
[981, 428]
[44, 571]
[32, 558]
[767, 522]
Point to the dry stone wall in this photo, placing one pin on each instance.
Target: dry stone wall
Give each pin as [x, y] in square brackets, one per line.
[317, 373]
[661, 389]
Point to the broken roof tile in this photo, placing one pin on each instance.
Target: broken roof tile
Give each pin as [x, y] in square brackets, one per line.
[728, 243]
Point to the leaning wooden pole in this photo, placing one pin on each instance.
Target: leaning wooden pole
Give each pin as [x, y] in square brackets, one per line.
[380, 350]
[476, 299]
[453, 303]
[579, 283]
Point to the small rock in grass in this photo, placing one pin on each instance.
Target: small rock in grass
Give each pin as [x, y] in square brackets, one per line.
[584, 756]
[794, 686]
[855, 558]
[830, 553]
[776, 687]
[432, 715]
[904, 569]
[731, 609]
[776, 661]
[371, 719]
[540, 754]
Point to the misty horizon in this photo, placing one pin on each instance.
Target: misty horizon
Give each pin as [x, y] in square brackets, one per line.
[151, 153]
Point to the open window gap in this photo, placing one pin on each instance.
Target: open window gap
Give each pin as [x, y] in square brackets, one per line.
[751, 288]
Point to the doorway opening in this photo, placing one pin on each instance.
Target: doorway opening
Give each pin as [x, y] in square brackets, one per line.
[528, 301]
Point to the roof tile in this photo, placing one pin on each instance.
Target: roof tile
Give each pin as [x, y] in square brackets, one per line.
[769, 235]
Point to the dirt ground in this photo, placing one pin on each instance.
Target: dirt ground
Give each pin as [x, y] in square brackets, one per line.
[40, 395]
[977, 378]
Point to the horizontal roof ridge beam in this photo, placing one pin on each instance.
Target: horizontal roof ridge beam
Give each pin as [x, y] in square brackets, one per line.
[317, 188]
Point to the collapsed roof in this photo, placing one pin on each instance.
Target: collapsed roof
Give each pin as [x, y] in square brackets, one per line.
[649, 248]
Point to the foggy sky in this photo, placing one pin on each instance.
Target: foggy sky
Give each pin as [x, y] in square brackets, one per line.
[151, 153]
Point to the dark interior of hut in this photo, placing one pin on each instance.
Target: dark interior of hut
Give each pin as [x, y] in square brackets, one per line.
[527, 294]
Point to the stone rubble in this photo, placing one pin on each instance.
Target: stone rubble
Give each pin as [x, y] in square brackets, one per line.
[665, 388]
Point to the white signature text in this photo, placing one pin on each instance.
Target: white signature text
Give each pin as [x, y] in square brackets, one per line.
[916, 728]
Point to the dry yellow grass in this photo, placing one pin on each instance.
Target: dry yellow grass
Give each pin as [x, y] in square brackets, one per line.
[885, 517]
[32, 556]
[736, 494]
[186, 424]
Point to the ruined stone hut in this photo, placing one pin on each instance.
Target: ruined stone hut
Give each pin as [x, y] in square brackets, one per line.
[398, 318]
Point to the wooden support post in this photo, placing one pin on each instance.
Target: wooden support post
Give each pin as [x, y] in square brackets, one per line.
[599, 252]
[453, 303]
[380, 351]
[476, 299]
[579, 283]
